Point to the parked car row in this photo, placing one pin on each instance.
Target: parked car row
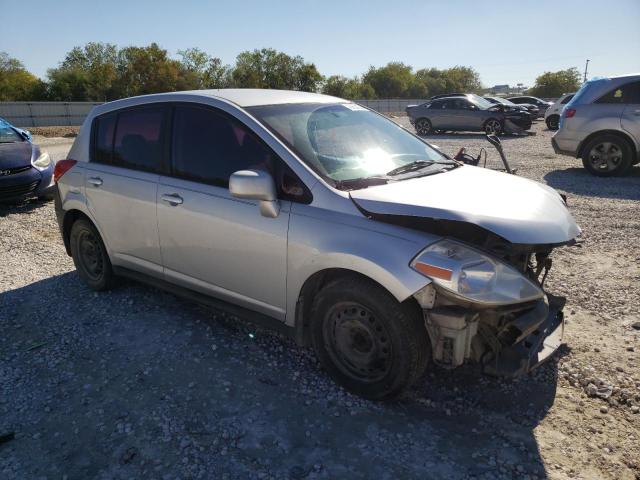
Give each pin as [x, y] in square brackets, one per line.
[467, 112]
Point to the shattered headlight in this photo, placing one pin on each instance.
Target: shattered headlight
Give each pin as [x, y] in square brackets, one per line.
[474, 276]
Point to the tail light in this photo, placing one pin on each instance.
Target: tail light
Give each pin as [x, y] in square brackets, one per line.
[62, 167]
[569, 112]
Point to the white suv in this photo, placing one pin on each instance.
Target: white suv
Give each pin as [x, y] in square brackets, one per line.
[552, 115]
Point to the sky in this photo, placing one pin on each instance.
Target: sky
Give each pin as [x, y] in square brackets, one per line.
[505, 41]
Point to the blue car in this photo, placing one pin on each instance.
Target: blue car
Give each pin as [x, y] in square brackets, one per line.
[25, 171]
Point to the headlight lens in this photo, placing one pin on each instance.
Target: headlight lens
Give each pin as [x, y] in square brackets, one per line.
[473, 275]
[43, 161]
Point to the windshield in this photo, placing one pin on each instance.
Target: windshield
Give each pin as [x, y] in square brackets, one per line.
[344, 142]
[483, 103]
[8, 134]
[503, 101]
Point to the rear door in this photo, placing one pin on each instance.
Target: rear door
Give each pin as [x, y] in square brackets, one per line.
[121, 182]
[470, 116]
[211, 241]
[448, 116]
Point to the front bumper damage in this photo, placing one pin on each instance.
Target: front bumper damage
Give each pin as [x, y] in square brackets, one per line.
[508, 341]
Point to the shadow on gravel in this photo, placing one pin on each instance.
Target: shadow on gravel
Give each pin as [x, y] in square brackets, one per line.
[138, 383]
[581, 182]
[25, 206]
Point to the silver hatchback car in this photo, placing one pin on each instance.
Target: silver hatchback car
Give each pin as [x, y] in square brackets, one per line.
[323, 219]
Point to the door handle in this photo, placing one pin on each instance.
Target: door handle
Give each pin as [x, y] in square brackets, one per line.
[95, 181]
[173, 199]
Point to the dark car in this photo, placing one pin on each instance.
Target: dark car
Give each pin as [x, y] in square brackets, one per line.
[470, 113]
[527, 100]
[25, 171]
[532, 109]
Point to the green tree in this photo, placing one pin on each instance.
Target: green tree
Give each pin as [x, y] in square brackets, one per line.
[268, 68]
[18, 84]
[95, 66]
[208, 71]
[144, 70]
[554, 84]
[343, 87]
[391, 81]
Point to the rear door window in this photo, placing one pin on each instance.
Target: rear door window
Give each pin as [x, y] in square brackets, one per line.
[130, 138]
[138, 138]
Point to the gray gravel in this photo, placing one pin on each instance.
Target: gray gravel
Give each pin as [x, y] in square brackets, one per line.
[136, 383]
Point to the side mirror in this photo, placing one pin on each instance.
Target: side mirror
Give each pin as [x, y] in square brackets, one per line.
[26, 134]
[256, 185]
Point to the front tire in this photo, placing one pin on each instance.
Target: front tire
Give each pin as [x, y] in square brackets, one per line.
[90, 256]
[492, 127]
[423, 127]
[553, 122]
[607, 155]
[369, 343]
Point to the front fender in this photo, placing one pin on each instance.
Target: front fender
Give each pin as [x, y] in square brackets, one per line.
[382, 254]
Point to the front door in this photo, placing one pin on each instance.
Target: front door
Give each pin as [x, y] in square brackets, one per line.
[210, 241]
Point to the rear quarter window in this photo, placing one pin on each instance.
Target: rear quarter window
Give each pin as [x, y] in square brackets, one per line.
[104, 128]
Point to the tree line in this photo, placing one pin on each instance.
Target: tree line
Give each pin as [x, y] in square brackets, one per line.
[104, 72]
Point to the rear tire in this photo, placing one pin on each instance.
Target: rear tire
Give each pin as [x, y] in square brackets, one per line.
[90, 256]
[553, 122]
[607, 155]
[423, 126]
[369, 343]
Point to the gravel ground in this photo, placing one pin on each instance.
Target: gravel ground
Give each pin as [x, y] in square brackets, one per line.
[135, 383]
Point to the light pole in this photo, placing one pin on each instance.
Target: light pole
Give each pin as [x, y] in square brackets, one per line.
[586, 66]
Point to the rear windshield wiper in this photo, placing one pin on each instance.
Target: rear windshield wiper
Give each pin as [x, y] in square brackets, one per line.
[417, 165]
[358, 183]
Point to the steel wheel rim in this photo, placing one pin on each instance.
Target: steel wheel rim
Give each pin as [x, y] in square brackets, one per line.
[492, 127]
[422, 126]
[605, 156]
[90, 252]
[554, 122]
[358, 342]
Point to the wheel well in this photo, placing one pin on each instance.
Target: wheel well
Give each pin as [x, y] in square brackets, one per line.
[310, 289]
[617, 133]
[69, 218]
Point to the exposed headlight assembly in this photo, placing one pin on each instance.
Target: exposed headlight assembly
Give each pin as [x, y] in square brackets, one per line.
[474, 276]
[42, 162]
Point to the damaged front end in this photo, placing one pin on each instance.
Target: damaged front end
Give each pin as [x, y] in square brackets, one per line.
[488, 310]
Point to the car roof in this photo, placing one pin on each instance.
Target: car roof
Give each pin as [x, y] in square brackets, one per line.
[243, 97]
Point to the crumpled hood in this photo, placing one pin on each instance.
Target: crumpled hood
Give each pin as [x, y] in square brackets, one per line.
[17, 154]
[517, 209]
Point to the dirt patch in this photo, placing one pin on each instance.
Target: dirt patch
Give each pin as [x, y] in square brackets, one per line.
[68, 132]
